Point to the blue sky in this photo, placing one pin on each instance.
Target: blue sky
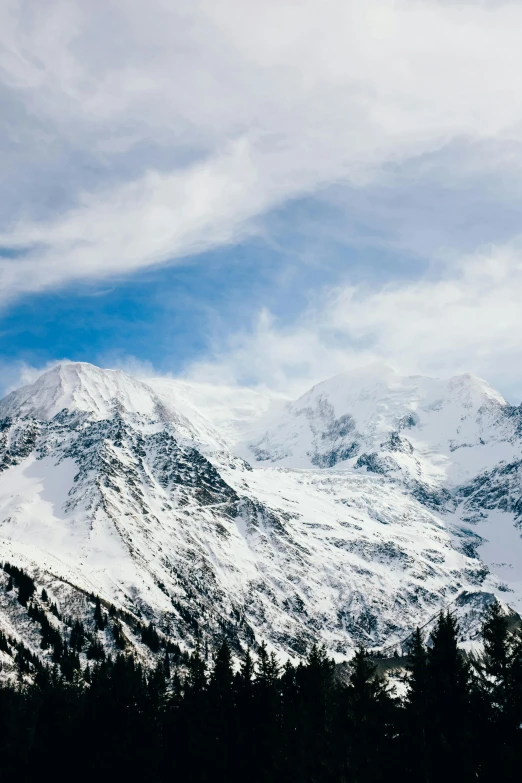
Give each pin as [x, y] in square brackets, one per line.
[170, 316]
[263, 194]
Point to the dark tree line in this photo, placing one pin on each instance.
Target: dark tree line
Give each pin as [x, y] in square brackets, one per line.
[459, 718]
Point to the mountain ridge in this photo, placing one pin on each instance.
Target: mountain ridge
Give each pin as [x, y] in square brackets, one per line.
[106, 485]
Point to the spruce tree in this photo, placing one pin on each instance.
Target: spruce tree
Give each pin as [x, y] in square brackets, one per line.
[95, 651]
[69, 663]
[501, 684]
[4, 646]
[157, 686]
[246, 717]
[267, 669]
[166, 666]
[448, 671]
[77, 638]
[222, 674]
[58, 649]
[449, 695]
[222, 727]
[315, 684]
[99, 619]
[193, 722]
[366, 712]
[418, 680]
[267, 712]
[416, 729]
[196, 681]
[247, 668]
[496, 639]
[117, 632]
[149, 636]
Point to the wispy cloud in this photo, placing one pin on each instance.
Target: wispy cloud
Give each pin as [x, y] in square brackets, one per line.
[16, 373]
[169, 129]
[462, 317]
[468, 319]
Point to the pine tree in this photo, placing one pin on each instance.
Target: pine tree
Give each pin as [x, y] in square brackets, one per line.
[267, 667]
[26, 588]
[418, 681]
[222, 731]
[58, 649]
[99, 619]
[77, 638]
[366, 688]
[119, 638]
[4, 646]
[193, 722]
[222, 674]
[267, 711]
[166, 666]
[157, 686]
[312, 699]
[448, 671]
[243, 688]
[501, 684]
[449, 693]
[247, 669]
[95, 651]
[496, 642]
[69, 663]
[196, 681]
[367, 708]
[149, 636]
[416, 708]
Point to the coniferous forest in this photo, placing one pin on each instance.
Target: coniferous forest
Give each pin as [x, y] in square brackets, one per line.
[458, 719]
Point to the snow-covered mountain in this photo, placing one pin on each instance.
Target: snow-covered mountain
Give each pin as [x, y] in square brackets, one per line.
[454, 428]
[350, 515]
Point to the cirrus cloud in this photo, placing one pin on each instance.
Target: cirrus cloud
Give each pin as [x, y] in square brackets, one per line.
[140, 135]
[467, 319]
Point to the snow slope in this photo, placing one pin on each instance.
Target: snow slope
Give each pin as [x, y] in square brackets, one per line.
[223, 416]
[453, 428]
[348, 516]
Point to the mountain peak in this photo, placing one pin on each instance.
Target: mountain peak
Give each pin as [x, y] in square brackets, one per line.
[79, 386]
[358, 411]
[378, 382]
[373, 374]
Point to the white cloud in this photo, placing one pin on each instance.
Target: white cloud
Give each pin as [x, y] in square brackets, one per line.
[470, 319]
[466, 319]
[170, 127]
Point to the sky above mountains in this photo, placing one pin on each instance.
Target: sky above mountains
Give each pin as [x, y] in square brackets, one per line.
[264, 194]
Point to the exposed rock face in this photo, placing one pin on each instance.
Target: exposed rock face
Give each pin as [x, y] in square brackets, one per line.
[373, 501]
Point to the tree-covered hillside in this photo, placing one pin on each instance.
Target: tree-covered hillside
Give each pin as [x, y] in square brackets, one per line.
[200, 718]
